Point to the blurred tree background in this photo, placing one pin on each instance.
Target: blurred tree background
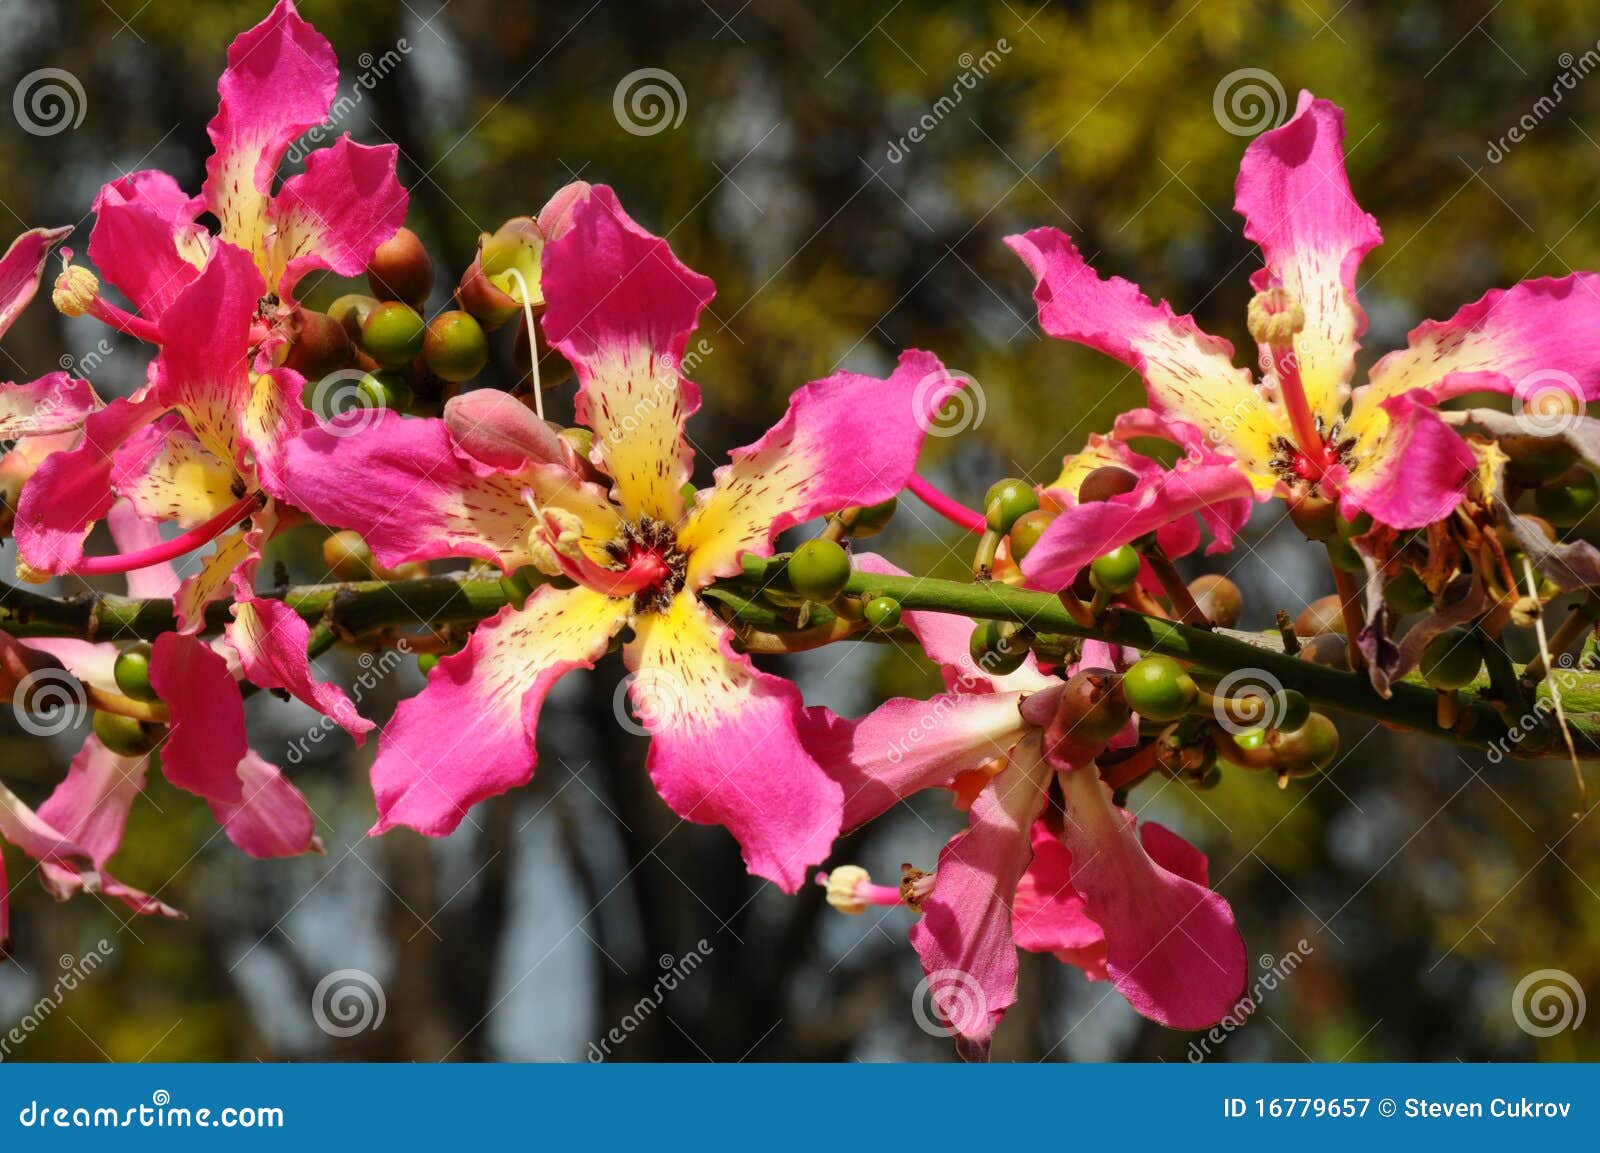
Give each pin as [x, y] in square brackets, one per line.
[1424, 880]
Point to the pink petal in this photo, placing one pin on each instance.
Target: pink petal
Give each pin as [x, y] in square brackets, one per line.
[622, 307]
[337, 212]
[1172, 947]
[906, 745]
[271, 819]
[1190, 376]
[72, 490]
[964, 938]
[51, 404]
[724, 745]
[401, 484]
[469, 734]
[90, 806]
[845, 441]
[271, 640]
[1296, 200]
[146, 240]
[1536, 335]
[1048, 915]
[1411, 471]
[281, 79]
[20, 270]
[207, 738]
[1220, 492]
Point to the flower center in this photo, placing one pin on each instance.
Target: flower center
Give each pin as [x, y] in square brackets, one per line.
[1297, 467]
[648, 544]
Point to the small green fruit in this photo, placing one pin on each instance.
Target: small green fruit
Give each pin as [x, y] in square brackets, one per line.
[1117, 571]
[455, 347]
[393, 333]
[1006, 501]
[1026, 532]
[881, 613]
[1159, 689]
[122, 735]
[1452, 659]
[873, 518]
[994, 651]
[819, 569]
[132, 672]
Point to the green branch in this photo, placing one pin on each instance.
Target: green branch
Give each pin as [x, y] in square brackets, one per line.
[361, 609]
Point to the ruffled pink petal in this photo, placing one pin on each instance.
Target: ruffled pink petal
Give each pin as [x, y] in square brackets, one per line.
[1537, 335]
[20, 270]
[724, 745]
[964, 937]
[1172, 947]
[1296, 200]
[1410, 469]
[402, 485]
[906, 745]
[846, 441]
[146, 240]
[1189, 375]
[54, 403]
[469, 734]
[90, 806]
[1219, 492]
[336, 213]
[72, 490]
[281, 79]
[204, 370]
[271, 818]
[207, 739]
[622, 307]
[271, 640]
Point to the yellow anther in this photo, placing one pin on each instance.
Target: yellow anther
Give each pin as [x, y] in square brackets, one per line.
[1275, 317]
[842, 887]
[75, 291]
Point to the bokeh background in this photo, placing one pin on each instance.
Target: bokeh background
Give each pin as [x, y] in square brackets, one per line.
[1424, 881]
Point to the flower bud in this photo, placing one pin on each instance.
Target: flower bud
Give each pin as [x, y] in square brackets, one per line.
[1106, 482]
[505, 267]
[320, 345]
[351, 311]
[1219, 598]
[497, 429]
[347, 556]
[1089, 712]
[455, 347]
[1323, 615]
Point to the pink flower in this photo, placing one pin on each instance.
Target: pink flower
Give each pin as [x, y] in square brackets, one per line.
[281, 81]
[55, 403]
[1079, 882]
[1381, 449]
[491, 481]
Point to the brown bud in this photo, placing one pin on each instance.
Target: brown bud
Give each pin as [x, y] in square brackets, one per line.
[1106, 482]
[401, 269]
[1323, 615]
[1219, 598]
[320, 345]
[1089, 712]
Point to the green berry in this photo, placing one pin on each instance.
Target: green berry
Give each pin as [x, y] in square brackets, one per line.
[873, 518]
[1289, 710]
[1452, 659]
[132, 672]
[1536, 460]
[1159, 689]
[1251, 739]
[401, 269]
[581, 440]
[1405, 592]
[1117, 571]
[393, 333]
[1026, 532]
[385, 390]
[1006, 501]
[426, 661]
[122, 735]
[351, 311]
[1310, 748]
[819, 569]
[455, 347]
[995, 652]
[882, 612]
[1568, 502]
